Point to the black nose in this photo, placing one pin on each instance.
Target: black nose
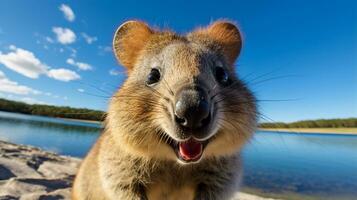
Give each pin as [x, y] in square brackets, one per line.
[192, 110]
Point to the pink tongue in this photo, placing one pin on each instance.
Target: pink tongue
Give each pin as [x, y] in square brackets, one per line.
[190, 150]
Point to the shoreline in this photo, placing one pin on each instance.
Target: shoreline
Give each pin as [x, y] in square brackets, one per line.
[53, 117]
[81, 120]
[336, 131]
[28, 172]
[332, 131]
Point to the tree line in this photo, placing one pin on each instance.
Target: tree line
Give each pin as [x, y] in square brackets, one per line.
[51, 111]
[320, 123]
[97, 115]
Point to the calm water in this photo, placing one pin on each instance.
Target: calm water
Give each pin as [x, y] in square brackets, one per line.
[300, 166]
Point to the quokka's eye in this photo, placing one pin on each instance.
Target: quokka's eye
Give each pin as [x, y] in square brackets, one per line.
[221, 75]
[153, 77]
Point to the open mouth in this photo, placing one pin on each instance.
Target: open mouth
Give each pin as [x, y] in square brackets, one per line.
[188, 151]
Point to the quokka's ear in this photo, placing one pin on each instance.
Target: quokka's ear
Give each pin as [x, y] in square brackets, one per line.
[129, 40]
[227, 35]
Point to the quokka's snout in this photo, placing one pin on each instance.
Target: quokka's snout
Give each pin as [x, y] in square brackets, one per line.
[192, 111]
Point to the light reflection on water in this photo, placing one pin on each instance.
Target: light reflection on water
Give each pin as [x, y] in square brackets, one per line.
[309, 164]
[305, 164]
[66, 137]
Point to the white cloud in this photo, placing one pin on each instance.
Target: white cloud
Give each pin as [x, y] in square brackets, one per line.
[107, 48]
[13, 87]
[104, 49]
[73, 51]
[49, 94]
[12, 47]
[80, 65]
[48, 39]
[67, 12]
[63, 74]
[26, 63]
[23, 62]
[64, 35]
[80, 90]
[89, 39]
[115, 72]
[30, 100]
[70, 61]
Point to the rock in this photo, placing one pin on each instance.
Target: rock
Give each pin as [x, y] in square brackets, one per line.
[28, 173]
[5, 173]
[19, 168]
[15, 187]
[58, 169]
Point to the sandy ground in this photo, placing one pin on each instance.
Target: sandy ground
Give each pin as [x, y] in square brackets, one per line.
[29, 173]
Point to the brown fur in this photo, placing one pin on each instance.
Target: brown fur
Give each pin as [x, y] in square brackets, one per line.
[227, 36]
[132, 159]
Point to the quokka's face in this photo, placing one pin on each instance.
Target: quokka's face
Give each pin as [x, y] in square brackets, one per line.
[182, 99]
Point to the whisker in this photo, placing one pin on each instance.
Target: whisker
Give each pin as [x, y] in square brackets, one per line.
[94, 87]
[96, 95]
[168, 87]
[213, 88]
[263, 75]
[272, 78]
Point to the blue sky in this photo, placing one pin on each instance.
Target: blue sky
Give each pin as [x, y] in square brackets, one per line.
[301, 52]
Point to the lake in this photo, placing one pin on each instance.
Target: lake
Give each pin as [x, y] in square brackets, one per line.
[297, 166]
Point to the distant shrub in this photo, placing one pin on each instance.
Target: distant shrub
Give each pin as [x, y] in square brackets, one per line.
[320, 123]
[88, 114]
[51, 111]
